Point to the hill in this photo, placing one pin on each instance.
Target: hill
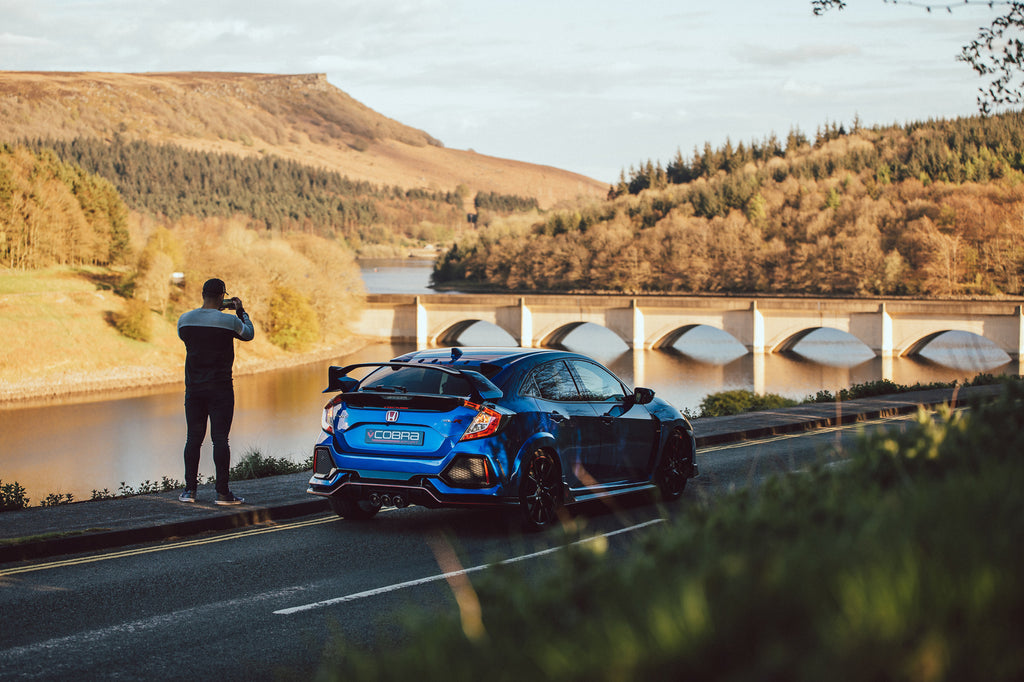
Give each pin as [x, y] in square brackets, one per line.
[300, 118]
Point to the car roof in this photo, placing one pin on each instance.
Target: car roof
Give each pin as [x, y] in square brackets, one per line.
[476, 356]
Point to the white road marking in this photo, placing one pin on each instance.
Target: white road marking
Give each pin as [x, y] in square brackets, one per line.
[452, 574]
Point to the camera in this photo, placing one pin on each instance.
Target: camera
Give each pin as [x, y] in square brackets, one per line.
[227, 304]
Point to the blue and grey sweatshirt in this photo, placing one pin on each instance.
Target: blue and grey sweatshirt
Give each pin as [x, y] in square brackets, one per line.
[209, 337]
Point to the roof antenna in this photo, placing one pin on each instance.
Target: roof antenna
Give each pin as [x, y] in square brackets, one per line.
[456, 354]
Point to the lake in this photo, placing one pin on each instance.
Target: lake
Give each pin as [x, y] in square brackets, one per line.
[86, 446]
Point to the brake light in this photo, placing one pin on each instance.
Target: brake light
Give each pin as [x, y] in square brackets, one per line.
[485, 423]
[327, 419]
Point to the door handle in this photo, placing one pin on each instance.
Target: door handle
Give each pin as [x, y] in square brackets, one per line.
[607, 419]
[558, 416]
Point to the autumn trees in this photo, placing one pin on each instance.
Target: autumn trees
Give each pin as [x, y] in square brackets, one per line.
[931, 208]
[53, 213]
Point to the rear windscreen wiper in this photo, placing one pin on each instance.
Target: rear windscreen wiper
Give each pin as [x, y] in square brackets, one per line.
[385, 389]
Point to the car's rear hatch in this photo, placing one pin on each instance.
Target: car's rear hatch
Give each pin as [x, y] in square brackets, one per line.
[393, 425]
[405, 409]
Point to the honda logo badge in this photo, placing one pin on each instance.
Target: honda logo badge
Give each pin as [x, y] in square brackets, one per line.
[391, 416]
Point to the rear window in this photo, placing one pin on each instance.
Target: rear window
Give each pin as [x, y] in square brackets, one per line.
[415, 380]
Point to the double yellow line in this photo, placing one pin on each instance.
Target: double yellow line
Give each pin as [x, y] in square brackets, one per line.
[236, 535]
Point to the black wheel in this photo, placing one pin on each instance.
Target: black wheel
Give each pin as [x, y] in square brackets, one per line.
[349, 508]
[676, 466]
[540, 490]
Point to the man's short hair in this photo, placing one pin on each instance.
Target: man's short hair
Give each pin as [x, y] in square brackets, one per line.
[214, 288]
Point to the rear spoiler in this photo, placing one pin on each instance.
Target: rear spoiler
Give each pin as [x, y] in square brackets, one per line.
[483, 389]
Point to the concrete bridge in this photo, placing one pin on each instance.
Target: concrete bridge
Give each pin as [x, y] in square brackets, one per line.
[889, 327]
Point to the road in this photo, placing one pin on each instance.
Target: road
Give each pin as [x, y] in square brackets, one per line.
[264, 602]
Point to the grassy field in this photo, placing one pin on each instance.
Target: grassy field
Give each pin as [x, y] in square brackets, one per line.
[59, 339]
[57, 329]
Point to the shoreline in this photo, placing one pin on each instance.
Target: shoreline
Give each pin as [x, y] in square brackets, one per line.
[133, 381]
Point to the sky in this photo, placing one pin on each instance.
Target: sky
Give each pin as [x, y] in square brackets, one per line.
[590, 86]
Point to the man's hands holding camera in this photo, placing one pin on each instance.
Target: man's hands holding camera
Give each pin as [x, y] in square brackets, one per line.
[235, 304]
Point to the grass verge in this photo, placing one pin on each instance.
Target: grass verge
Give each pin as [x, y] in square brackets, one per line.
[726, 403]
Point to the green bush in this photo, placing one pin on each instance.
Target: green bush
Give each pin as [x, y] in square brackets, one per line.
[292, 323]
[886, 387]
[55, 499]
[255, 464]
[903, 565]
[12, 496]
[739, 401]
[135, 321]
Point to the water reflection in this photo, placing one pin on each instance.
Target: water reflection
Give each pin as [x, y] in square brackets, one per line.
[964, 351]
[709, 345]
[832, 347]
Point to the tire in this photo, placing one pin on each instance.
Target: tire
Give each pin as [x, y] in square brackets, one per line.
[675, 467]
[349, 508]
[540, 490]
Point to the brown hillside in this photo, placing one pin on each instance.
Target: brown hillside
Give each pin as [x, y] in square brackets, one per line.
[300, 117]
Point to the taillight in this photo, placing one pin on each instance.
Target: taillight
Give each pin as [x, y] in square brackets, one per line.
[327, 418]
[485, 423]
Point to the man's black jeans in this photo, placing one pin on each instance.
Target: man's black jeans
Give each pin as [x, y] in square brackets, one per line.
[216, 405]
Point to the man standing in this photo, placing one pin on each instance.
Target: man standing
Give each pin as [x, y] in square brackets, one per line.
[209, 337]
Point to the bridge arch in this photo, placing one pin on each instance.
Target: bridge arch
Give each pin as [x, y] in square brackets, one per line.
[670, 339]
[790, 343]
[557, 336]
[983, 354]
[917, 344]
[493, 333]
[922, 343]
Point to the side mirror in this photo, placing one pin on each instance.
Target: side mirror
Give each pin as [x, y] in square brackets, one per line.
[642, 396]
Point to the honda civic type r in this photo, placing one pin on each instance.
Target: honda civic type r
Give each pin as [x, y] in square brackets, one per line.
[473, 427]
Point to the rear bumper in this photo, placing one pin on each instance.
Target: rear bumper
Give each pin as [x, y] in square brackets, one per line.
[420, 490]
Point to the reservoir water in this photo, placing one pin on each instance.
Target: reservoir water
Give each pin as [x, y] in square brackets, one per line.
[85, 446]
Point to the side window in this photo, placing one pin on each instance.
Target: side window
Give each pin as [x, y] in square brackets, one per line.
[552, 381]
[599, 385]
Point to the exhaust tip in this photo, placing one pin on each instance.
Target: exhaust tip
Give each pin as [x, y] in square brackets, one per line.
[375, 499]
[399, 502]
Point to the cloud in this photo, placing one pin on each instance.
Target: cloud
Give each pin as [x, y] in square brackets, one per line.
[794, 87]
[19, 41]
[793, 56]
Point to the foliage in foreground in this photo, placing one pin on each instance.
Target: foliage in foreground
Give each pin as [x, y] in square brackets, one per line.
[902, 565]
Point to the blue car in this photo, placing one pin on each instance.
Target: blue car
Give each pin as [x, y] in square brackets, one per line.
[475, 427]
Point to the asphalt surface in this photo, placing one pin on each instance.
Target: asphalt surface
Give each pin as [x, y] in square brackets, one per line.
[103, 524]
